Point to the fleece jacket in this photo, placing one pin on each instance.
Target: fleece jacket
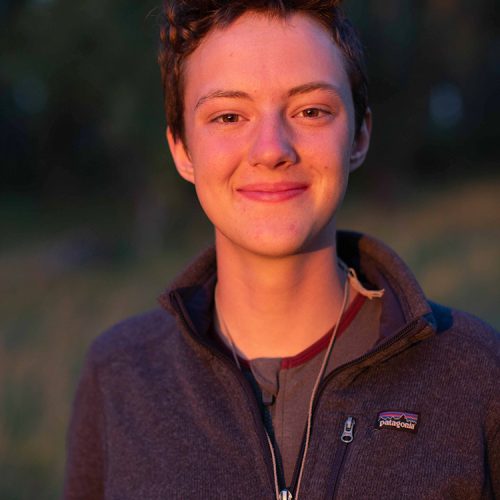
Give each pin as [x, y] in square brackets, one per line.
[161, 413]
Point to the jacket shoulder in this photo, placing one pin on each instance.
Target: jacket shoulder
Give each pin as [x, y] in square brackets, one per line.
[128, 338]
[467, 331]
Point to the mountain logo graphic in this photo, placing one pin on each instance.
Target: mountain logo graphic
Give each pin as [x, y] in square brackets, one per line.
[398, 421]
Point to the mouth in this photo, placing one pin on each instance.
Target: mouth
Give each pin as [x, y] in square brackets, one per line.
[272, 192]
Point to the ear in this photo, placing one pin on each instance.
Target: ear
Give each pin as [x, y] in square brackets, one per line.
[361, 142]
[181, 157]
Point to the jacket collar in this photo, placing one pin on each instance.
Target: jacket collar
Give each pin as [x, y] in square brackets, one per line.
[376, 265]
[379, 266]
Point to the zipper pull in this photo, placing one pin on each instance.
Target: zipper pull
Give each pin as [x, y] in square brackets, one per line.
[285, 495]
[348, 433]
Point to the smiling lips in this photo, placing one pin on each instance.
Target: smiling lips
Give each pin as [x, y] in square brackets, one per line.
[275, 192]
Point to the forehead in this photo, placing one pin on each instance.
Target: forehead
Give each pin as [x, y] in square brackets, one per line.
[259, 51]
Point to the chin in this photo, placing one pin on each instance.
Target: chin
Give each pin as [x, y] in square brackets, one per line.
[274, 245]
[276, 251]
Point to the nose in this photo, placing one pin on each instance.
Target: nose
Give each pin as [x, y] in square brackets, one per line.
[272, 144]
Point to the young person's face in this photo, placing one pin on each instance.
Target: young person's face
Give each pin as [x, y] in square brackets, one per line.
[270, 133]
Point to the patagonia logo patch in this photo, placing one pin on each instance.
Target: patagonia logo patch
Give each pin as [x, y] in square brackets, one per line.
[398, 421]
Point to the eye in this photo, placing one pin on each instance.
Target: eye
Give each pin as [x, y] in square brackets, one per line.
[227, 118]
[313, 113]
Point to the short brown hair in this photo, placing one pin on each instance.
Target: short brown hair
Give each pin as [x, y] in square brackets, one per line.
[185, 23]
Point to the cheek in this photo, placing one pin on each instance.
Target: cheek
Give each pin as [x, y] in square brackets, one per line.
[214, 163]
[212, 181]
[208, 200]
[333, 145]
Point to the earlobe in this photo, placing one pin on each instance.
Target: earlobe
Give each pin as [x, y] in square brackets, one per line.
[361, 142]
[181, 157]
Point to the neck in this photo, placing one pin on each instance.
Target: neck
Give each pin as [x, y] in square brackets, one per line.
[277, 307]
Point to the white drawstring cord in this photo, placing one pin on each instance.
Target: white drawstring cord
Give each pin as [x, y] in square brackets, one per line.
[352, 280]
[316, 385]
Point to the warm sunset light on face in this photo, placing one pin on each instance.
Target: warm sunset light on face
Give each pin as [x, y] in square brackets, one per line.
[270, 133]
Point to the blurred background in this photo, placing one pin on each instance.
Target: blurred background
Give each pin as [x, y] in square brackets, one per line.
[94, 221]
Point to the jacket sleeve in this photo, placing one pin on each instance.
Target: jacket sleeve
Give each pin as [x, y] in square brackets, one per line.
[492, 428]
[494, 463]
[493, 451]
[86, 444]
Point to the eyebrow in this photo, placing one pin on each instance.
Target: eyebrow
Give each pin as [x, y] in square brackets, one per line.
[312, 86]
[299, 90]
[231, 94]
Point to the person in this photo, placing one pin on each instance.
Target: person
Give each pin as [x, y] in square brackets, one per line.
[291, 360]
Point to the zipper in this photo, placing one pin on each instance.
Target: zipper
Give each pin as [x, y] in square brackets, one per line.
[287, 493]
[348, 432]
[268, 426]
[413, 327]
[346, 438]
[254, 408]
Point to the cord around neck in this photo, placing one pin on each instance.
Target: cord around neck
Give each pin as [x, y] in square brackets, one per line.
[349, 278]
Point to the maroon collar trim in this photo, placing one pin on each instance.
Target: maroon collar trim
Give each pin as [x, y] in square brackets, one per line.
[312, 350]
[322, 343]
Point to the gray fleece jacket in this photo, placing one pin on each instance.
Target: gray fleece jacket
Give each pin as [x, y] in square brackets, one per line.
[161, 413]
